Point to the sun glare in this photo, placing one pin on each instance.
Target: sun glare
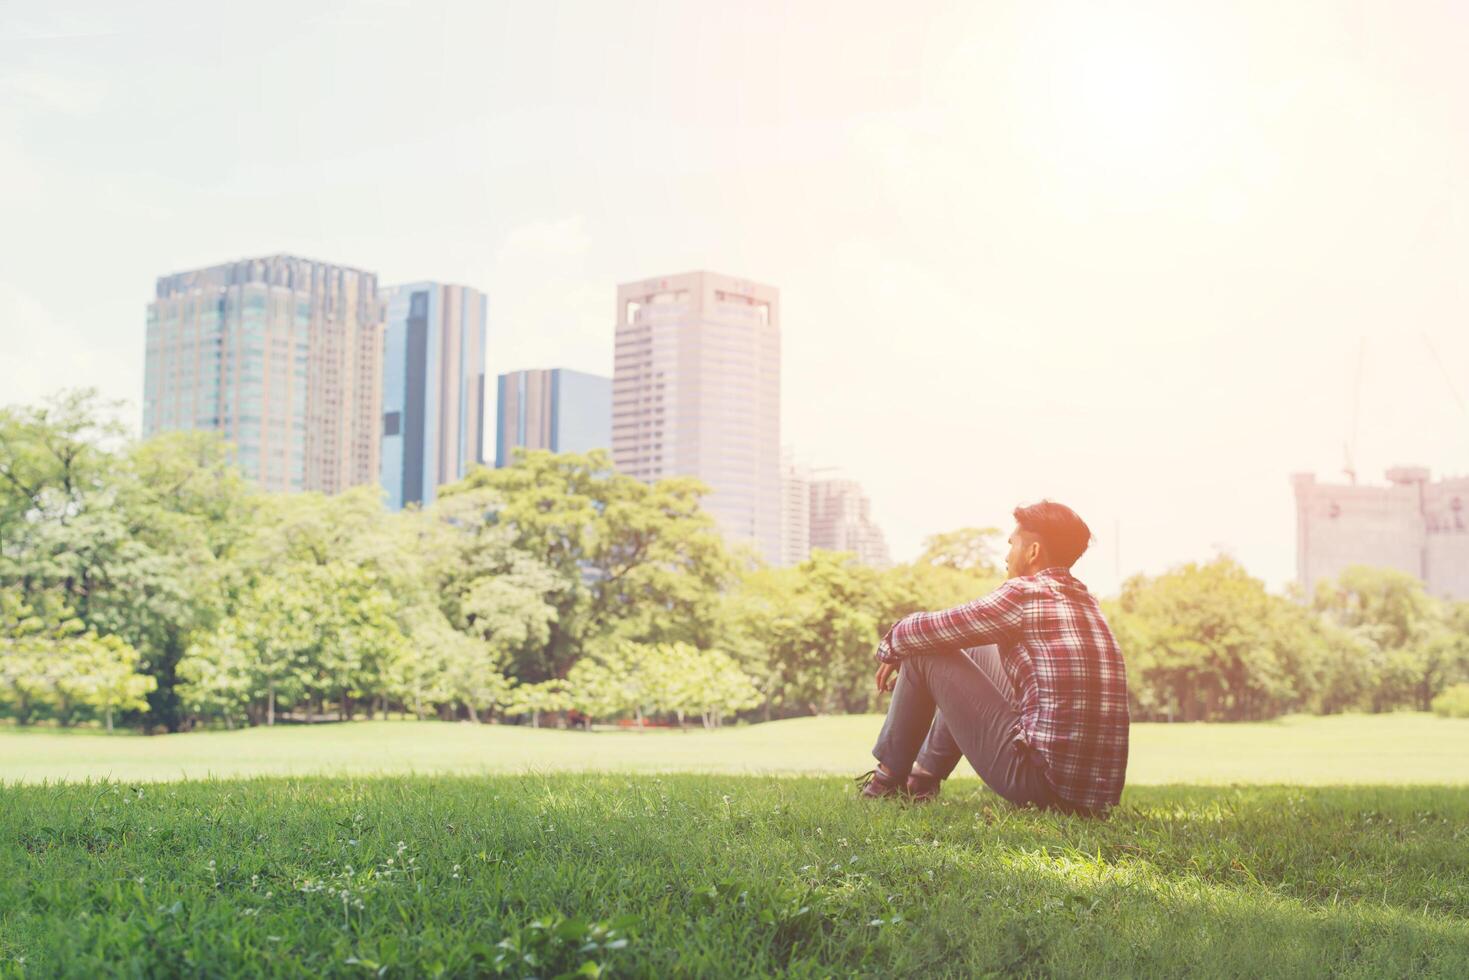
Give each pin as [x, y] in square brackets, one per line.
[1113, 99]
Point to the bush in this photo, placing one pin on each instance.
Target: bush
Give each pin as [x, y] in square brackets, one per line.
[1453, 702]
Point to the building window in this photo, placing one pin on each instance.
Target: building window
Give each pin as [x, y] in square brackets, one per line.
[392, 423]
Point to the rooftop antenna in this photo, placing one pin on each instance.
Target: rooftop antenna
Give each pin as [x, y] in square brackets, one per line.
[1349, 448]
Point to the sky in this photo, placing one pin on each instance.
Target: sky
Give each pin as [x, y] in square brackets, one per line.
[1147, 259]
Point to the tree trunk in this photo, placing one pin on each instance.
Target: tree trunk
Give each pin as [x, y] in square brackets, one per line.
[270, 709]
[108, 711]
[473, 714]
[535, 718]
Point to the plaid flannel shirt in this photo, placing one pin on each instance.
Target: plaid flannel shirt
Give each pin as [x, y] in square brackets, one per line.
[1065, 666]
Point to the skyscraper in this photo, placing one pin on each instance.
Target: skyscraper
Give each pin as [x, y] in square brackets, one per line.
[696, 392]
[557, 409]
[795, 510]
[283, 356]
[841, 520]
[433, 389]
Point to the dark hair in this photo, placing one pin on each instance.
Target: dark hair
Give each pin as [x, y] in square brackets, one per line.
[1064, 535]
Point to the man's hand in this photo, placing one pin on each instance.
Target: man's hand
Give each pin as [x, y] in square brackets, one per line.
[887, 676]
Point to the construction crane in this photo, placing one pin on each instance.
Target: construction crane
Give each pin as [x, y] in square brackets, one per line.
[1349, 447]
[1443, 369]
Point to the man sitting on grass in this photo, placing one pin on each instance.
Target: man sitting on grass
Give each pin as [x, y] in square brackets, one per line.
[1027, 683]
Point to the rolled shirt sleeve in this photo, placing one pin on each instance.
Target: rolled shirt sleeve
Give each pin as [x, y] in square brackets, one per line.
[994, 618]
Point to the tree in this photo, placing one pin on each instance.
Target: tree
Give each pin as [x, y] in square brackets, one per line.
[50, 659]
[105, 678]
[29, 642]
[472, 674]
[135, 539]
[1410, 635]
[215, 677]
[712, 685]
[487, 586]
[640, 561]
[1206, 642]
[52, 459]
[536, 699]
[806, 635]
[268, 643]
[977, 550]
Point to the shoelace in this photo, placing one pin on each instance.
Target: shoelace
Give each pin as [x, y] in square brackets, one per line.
[876, 776]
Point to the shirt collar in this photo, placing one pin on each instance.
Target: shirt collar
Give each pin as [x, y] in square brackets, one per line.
[1058, 573]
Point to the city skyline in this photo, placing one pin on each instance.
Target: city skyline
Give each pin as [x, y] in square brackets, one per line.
[695, 392]
[1158, 236]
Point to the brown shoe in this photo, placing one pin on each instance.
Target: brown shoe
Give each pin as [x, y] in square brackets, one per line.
[876, 784]
[923, 788]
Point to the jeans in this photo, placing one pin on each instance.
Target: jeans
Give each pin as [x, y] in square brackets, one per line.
[950, 704]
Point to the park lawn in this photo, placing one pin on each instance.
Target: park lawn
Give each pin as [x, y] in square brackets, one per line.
[723, 875]
[1401, 748]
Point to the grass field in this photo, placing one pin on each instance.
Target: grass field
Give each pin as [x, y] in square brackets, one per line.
[522, 873]
[1377, 749]
[723, 876]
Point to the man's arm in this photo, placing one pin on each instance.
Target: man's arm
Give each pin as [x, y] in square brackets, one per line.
[994, 618]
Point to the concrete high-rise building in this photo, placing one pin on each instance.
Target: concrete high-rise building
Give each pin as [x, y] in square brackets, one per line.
[696, 392]
[557, 409]
[1413, 524]
[841, 520]
[433, 414]
[795, 510]
[283, 356]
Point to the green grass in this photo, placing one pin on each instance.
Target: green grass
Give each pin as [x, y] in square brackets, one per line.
[723, 875]
[1375, 749]
[437, 848]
